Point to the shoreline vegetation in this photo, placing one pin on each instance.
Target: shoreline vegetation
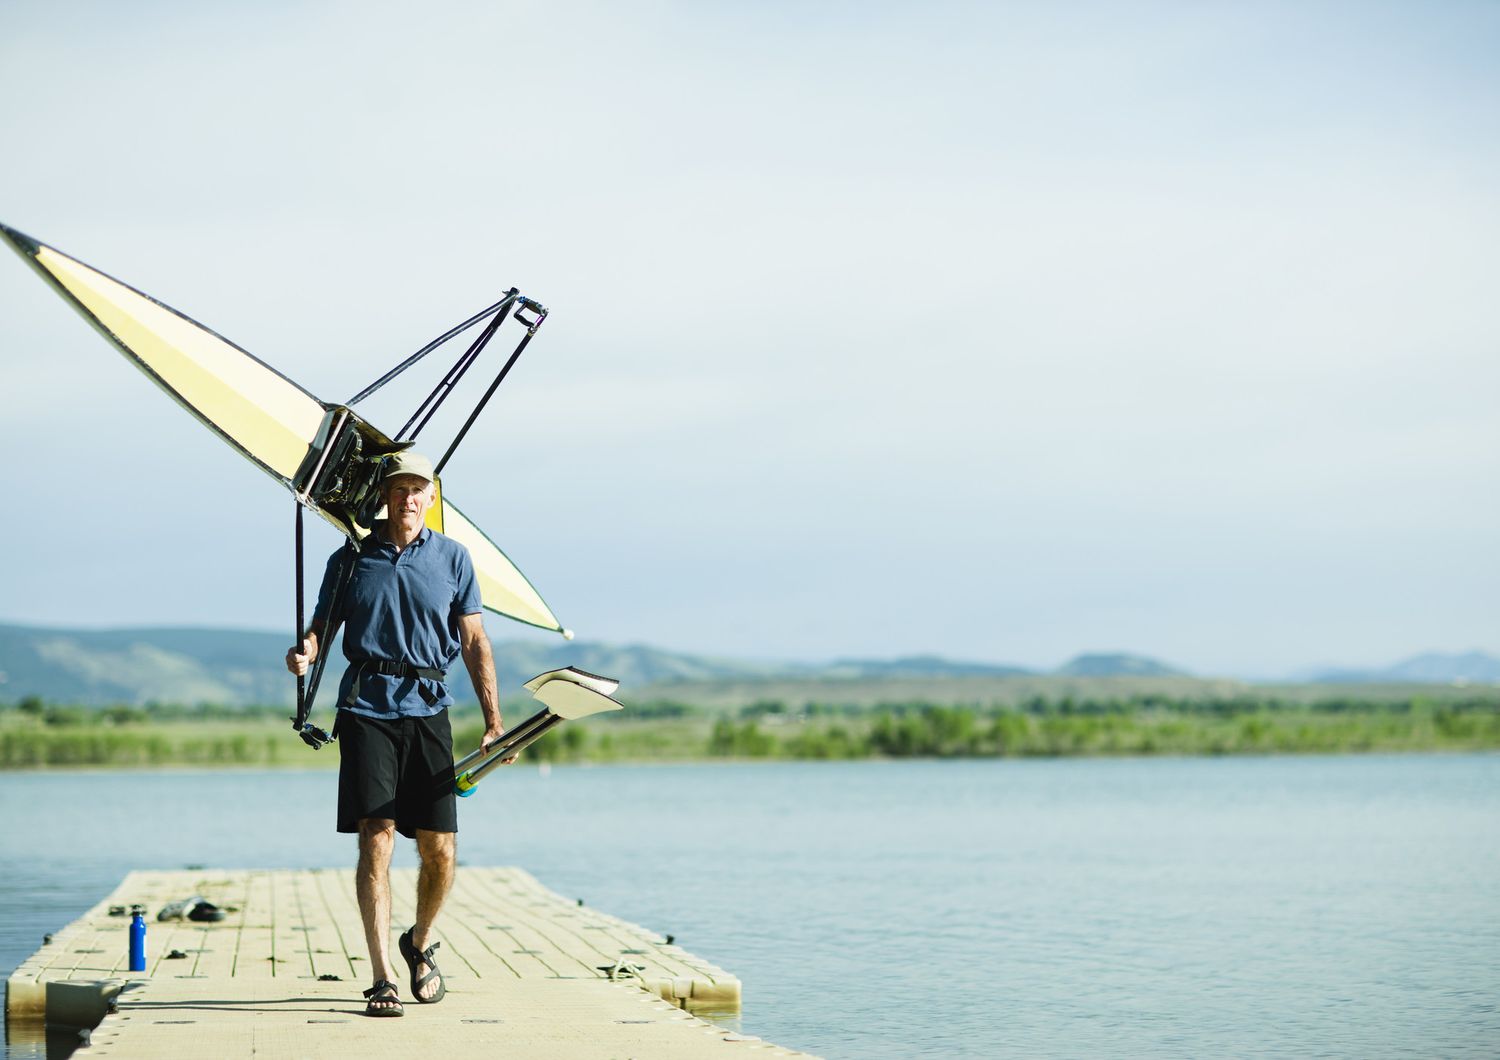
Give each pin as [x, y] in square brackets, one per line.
[35, 734]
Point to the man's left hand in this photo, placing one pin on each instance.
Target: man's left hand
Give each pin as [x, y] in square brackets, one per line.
[492, 736]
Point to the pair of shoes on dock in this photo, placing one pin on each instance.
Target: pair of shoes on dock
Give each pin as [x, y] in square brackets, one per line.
[383, 1000]
[196, 908]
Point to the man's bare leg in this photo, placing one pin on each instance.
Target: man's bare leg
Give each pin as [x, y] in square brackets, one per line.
[434, 880]
[372, 883]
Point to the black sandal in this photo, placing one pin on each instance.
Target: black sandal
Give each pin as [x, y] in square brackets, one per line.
[383, 1000]
[415, 957]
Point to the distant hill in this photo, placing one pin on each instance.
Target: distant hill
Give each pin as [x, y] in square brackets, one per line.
[231, 667]
[916, 666]
[1474, 667]
[632, 664]
[243, 667]
[1100, 664]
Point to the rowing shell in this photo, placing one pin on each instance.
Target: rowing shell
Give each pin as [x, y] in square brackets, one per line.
[326, 454]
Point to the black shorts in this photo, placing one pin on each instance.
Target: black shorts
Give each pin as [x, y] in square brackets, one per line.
[400, 770]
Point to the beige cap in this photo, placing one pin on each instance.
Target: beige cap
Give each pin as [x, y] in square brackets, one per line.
[408, 463]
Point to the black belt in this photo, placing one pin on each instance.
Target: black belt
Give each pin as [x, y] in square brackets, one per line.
[401, 669]
[395, 669]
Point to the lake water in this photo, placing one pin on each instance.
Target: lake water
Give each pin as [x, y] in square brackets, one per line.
[1297, 906]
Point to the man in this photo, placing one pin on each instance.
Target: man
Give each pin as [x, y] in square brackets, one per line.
[410, 607]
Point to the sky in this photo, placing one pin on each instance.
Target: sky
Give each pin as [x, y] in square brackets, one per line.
[1000, 332]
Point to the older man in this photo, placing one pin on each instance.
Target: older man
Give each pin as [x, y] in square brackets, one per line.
[409, 608]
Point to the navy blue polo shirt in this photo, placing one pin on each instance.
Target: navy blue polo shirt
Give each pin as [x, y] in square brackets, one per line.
[401, 607]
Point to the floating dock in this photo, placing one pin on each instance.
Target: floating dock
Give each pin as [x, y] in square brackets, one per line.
[529, 973]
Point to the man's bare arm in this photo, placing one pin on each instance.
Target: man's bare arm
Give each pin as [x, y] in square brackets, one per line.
[480, 663]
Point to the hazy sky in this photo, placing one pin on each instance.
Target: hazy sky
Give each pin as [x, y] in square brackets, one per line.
[1000, 331]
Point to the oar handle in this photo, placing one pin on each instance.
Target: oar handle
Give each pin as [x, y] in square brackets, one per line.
[511, 748]
[506, 739]
[474, 767]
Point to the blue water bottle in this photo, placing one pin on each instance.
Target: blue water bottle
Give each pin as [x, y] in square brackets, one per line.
[137, 938]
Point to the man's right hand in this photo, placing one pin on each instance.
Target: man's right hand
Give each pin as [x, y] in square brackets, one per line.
[299, 658]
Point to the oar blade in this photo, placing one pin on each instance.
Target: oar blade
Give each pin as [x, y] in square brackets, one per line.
[571, 702]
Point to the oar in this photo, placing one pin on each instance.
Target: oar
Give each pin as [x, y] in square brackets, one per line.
[567, 694]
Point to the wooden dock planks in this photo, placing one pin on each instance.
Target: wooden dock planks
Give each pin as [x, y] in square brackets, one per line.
[281, 975]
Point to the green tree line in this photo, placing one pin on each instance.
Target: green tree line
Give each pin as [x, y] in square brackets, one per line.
[35, 734]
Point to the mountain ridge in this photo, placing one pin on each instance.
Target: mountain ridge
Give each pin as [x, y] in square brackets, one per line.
[236, 667]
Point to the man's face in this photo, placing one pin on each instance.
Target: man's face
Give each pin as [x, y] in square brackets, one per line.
[407, 498]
